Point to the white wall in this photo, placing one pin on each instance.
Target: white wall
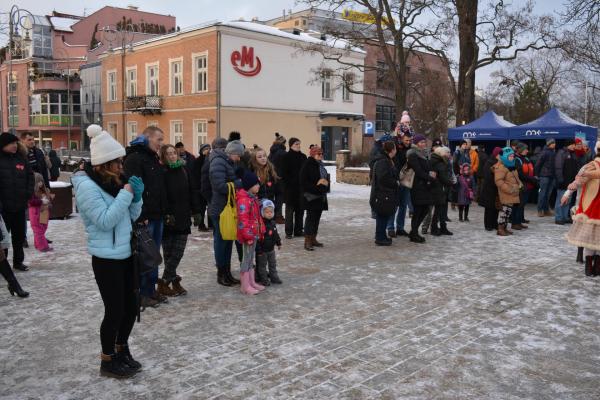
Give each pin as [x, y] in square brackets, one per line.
[284, 81]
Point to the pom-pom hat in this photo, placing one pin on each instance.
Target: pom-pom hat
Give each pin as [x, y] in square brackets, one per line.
[103, 147]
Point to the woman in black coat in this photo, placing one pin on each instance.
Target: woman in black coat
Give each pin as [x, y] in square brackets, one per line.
[290, 173]
[489, 192]
[276, 154]
[420, 193]
[385, 190]
[199, 203]
[314, 185]
[177, 219]
[440, 189]
[54, 165]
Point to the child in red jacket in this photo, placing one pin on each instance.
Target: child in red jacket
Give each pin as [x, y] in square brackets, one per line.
[250, 229]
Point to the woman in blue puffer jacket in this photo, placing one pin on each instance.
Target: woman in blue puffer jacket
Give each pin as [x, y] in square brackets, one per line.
[108, 205]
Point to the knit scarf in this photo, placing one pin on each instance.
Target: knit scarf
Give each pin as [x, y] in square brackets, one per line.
[176, 164]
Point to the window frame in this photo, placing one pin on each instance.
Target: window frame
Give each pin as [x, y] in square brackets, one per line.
[346, 93]
[129, 125]
[172, 76]
[129, 81]
[109, 84]
[157, 78]
[172, 133]
[195, 124]
[327, 82]
[196, 71]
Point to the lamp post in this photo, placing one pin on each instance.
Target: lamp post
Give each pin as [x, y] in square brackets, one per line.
[16, 18]
[122, 37]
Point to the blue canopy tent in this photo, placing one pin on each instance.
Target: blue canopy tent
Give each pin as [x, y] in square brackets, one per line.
[556, 125]
[490, 127]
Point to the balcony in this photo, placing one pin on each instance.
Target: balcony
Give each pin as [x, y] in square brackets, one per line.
[144, 104]
[55, 120]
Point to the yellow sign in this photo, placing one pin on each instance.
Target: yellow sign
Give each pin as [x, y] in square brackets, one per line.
[360, 17]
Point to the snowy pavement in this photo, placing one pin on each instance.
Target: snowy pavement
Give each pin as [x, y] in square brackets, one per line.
[472, 316]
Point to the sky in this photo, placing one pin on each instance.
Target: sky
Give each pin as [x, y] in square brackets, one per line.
[195, 12]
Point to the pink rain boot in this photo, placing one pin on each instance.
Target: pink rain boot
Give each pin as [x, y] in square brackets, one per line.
[245, 287]
[253, 280]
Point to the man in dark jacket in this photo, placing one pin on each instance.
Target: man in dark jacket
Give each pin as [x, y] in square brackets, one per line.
[566, 167]
[276, 154]
[292, 162]
[483, 157]
[35, 157]
[142, 160]
[439, 189]
[222, 172]
[489, 192]
[544, 169]
[187, 157]
[395, 225]
[16, 188]
[199, 203]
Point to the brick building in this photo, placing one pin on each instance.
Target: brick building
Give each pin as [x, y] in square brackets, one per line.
[206, 81]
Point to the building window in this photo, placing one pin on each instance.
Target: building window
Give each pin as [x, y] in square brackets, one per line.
[200, 132]
[153, 123]
[54, 109]
[200, 73]
[152, 80]
[176, 77]
[385, 118]
[326, 85]
[13, 111]
[112, 129]
[176, 132]
[12, 82]
[347, 86]
[42, 41]
[132, 130]
[132, 82]
[112, 85]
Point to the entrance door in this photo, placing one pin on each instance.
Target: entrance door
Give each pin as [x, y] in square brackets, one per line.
[334, 138]
[326, 141]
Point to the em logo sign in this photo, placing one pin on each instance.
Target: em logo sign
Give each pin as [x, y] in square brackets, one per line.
[243, 63]
[469, 135]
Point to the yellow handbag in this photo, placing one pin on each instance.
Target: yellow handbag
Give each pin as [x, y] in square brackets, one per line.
[228, 217]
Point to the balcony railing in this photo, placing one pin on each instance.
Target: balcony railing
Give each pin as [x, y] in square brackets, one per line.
[144, 104]
[55, 120]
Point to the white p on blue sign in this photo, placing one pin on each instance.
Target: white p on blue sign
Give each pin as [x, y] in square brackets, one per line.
[369, 128]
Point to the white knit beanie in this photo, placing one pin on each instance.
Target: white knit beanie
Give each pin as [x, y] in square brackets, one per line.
[103, 147]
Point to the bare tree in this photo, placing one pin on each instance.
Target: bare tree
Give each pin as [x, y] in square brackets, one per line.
[583, 18]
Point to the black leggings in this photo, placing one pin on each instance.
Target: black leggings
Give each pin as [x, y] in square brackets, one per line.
[16, 224]
[463, 211]
[419, 214]
[490, 218]
[115, 281]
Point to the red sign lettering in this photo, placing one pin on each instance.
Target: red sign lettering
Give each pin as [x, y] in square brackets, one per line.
[243, 62]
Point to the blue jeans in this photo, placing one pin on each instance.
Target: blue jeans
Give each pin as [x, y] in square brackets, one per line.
[380, 227]
[148, 281]
[561, 213]
[400, 215]
[546, 187]
[222, 248]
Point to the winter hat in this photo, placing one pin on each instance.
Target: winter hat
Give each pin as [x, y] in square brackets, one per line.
[569, 142]
[405, 118]
[234, 135]
[103, 147]
[249, 179]
[8, 138]
[521, 146]
[204, 146]
[419, 138]
[436, 143]
[550, 141]
[219, 143]
[279, 138]
[234, 147]
[314, 150]
[442, 151]
[506, 152]
[496, 151]
[293, 141]
[463, 141]
[266, 204]
[578, 141]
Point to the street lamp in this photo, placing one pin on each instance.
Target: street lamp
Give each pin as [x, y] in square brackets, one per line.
[122, 37]
[17, 17]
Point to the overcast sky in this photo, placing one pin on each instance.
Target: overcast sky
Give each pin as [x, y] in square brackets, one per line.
[197, 11]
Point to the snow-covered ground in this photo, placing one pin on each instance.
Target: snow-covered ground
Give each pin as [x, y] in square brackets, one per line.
[472, 316]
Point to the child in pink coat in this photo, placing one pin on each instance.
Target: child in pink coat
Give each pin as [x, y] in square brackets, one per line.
[251, 229]
[39, 213]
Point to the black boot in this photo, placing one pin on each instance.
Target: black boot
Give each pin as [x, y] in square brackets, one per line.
[126, 358]
[113, 367]
[230, 277]
[221, 278]
[416, 238]
[13, 284]
[445, 231]
[435, 231]
[596, 270]
[579, 255]
[589, 266]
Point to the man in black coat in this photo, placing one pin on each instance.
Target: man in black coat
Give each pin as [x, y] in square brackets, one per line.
[544, 169]
[199, 203]
[292, 162]
[142, 160]
[16, 188]
[35, 157]
[489, 192]
[396, 223]
[566, 167]
[276, 155]
[187, 157]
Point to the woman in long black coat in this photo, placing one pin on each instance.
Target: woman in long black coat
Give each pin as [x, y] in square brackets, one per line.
[440, 189]
[420, 193]
[385, 190]
[489, 192]
[291, 164]
[314, 185]
[199, 203]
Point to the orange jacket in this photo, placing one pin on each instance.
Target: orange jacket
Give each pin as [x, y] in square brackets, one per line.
[474, 161]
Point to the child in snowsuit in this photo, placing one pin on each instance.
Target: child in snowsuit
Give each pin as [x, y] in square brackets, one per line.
[250, 229]
[265, 248]
[39, 213]
[465, 192]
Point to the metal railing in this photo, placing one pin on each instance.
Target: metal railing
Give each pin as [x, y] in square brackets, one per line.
[144, 103]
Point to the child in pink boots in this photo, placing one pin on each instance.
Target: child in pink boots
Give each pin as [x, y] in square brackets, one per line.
[39, 213]
[250, 229]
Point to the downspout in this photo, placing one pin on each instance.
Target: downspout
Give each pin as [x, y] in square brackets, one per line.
[218, 82]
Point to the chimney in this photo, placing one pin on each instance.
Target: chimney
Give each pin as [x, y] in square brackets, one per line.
[132, 7]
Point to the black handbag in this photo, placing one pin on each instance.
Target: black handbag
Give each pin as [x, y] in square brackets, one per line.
[146, 254]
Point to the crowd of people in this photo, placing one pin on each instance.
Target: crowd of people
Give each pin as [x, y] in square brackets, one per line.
[239, 192]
